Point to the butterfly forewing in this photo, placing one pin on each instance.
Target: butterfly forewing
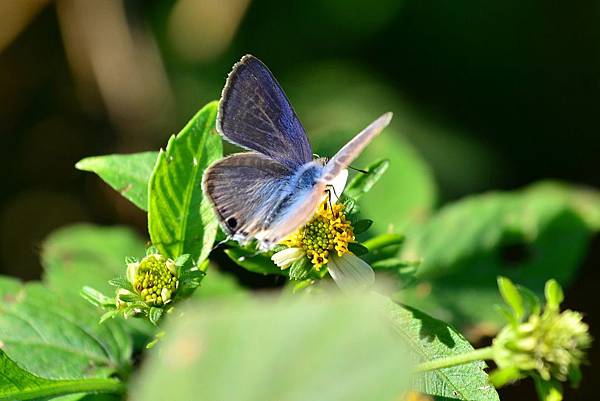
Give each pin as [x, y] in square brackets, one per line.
[353, 149]
[255, 113]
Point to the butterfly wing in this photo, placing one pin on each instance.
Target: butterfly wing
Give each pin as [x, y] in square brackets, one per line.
[352, 149]
[255, 114]
[294, 217]
[244, 189]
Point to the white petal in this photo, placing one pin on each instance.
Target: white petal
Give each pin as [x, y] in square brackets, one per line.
[132, 269]
[350, 272]
[338, 184]
[286, 257]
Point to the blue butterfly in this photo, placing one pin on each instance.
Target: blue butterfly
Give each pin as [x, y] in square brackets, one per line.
[271, 191]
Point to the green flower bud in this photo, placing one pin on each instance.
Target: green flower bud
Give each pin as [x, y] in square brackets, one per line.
[551, 344]
[154, 279]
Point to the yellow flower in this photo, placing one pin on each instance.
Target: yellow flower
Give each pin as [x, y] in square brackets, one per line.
[328, 233]
[324, 241]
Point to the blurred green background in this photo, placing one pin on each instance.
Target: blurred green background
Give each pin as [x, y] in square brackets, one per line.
[490, 95]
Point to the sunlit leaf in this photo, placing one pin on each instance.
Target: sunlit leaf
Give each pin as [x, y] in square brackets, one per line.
[59, 337]
[430, 339]
[180, 219]
[19, 384]
[128, 174]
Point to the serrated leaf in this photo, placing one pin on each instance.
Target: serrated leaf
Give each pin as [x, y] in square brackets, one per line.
[467, 244]
[59, 337]
[292, 349]
[128, 174]
[180, 218]
[19, 384]
[362, 183]
[429, 339]
[254, 261]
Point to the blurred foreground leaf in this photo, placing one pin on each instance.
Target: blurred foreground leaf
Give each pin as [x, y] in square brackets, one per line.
[180, 219]
[287, 350]
[18, 384]
[87, 255]
[430, 339]
[128, 174]
[59, 337]
[529, 236]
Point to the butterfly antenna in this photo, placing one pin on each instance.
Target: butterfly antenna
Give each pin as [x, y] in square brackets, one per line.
[358, 169]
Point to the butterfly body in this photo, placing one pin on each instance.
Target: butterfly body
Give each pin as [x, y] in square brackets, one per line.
[269, 192]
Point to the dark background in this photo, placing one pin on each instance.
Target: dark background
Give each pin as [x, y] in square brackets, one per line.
[512, 87]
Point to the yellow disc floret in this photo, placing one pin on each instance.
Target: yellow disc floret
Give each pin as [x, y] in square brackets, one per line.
[155, 280]
[328, 231]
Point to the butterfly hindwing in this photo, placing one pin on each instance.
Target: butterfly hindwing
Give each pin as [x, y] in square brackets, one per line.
[243, 189]
[254, 113]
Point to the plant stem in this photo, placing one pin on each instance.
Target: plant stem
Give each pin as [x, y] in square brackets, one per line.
[480, 354]
[63, 387]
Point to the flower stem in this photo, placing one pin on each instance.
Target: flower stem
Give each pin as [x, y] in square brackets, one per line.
[63, 387]
[480, 354]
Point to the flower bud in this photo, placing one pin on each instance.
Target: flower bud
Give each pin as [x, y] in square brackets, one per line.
[551, 344]
[154, 279]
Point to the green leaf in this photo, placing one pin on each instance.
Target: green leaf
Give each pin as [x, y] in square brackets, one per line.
[300, 269]
[87, 255]
[467, 244]
[383, 246]
[548, 390]
[512, 297]
[430, 339]
[59, 337]
[362, 225]
[254, 261]
[362, 183]
[180, 218]
[155, 314]
[128, 174]
[19, 384]
[357, 248]
[289, 348]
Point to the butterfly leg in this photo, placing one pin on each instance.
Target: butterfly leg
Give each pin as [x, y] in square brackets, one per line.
[330, 189]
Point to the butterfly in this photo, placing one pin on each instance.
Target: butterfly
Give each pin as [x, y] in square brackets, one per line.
[275, 188]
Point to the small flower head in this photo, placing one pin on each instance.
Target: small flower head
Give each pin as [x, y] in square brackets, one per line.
[328, 233]
[154, 278]
[548, 344]
[324, 241]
